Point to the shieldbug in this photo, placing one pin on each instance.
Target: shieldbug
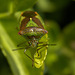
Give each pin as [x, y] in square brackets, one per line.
[33, 29]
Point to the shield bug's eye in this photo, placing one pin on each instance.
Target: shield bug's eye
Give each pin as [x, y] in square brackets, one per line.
[20, 33]
[46, 31]
[36, 13]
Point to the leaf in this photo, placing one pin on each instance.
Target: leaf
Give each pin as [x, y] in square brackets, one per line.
[6, 9]
[4, 5]
[13, 59]
[21, 5]
[69, 36]
[53, 31]
[10, 7]
[18, 5]
[52, 6]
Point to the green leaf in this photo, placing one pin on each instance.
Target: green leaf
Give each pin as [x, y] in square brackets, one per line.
[69, 36]
[58, 64]
[9, 7]
[53, 31]
[52, 5]
[4, 5]
[11, 56]
[21, 5]
[73, 66]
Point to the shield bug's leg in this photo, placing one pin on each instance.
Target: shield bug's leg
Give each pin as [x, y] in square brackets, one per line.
[29, 57]
[39, 49]
[17, 28]
[32, 63]
[41, 46]
[46, 44]
[21, 43]
[52, 44]
[37, 52]
[18, 49]
[40, 42]
[24, 52]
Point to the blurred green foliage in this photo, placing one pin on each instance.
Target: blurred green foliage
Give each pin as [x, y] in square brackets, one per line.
[59, 18]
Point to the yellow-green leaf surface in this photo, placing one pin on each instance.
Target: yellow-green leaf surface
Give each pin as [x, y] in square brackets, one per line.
[12, 57]
[19, 63]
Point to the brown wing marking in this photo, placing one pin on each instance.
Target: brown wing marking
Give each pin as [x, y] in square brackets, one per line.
[37, 21]
[24, 23]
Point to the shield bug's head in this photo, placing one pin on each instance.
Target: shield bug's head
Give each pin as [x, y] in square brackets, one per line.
[29, 14]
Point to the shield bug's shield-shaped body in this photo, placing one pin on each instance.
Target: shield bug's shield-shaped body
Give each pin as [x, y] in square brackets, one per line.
[32, 28]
